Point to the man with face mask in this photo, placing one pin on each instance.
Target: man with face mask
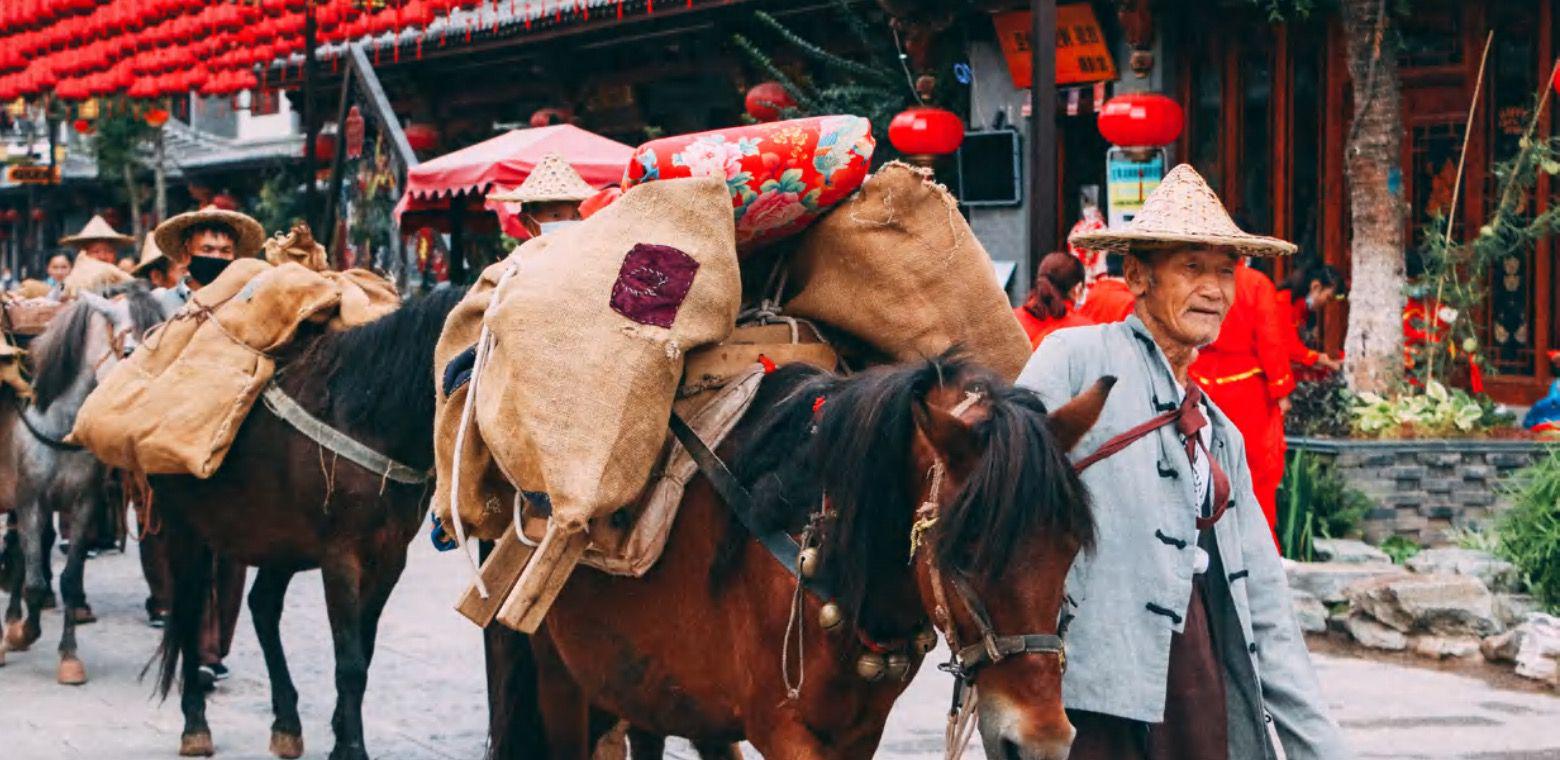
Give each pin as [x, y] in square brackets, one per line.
[550, 197]
[1181, 641]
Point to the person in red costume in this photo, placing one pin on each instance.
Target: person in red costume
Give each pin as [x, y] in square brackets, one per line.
[1108, 299]
[1301, 295]
[1049, 307]
[1246, 372]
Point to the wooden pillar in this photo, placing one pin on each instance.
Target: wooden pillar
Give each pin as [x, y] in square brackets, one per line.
[1544, 324]
[457, 253]
[1335, 194]
[311, 127]
[1042, 133]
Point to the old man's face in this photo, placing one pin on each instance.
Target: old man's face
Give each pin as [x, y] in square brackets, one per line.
[1186, 291]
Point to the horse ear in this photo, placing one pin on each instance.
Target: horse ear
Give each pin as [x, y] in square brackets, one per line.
[1071, 420]
[948, 434]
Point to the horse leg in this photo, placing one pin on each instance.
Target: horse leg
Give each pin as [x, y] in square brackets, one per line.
[50, 601]
[565, 711]
[343, 575]
[719, 751]
[31, 517]
[515, 728]
[644, 745]
[788, 739]
[11, 577]
[72, 589]
[190, 567]
[265, 606]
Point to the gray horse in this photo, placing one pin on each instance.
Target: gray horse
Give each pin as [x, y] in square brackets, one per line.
[78, 350]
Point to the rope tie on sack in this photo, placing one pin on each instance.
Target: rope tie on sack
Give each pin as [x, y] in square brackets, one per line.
[484, 344]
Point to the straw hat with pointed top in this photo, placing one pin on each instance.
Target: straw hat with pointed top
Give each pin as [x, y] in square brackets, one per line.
[249, 234]
[150, 255]
[553, 179]
[1183, 211]
[97, 228]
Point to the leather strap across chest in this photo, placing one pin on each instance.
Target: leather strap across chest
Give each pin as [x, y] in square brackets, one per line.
[350, 449]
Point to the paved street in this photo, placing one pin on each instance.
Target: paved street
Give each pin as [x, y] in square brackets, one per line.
[425, 691]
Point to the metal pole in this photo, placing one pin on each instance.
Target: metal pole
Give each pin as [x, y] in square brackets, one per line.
[1042, 133]
[311, 129]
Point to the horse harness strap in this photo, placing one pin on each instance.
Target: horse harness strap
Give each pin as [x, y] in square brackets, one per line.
[778, 543]
[350, 449]
[44, 438]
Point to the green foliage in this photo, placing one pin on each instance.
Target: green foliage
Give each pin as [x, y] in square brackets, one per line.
[280, 202]
[1400, 548]
[120, 139]
[876, 87]
[1315, 502]
[1435, 412]
[1528, 534]
[1321, 408]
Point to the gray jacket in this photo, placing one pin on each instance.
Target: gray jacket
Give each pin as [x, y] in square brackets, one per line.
[1145, 507]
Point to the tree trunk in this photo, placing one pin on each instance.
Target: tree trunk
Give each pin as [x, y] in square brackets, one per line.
[159, 179]
[133, 196]
[1374, 344]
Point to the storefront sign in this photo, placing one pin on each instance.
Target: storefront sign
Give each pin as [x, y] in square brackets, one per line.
[1128, 183]
[33, 175]
[1082, 55]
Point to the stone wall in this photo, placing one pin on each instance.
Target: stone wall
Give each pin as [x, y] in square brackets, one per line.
[1423, 489]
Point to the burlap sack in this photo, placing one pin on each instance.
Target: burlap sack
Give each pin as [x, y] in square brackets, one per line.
[898, 267]
[590, 335]
[175, 405]
[365, 297]
[88, 273]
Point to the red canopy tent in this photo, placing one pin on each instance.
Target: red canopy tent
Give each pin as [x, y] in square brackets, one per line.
[502, 163]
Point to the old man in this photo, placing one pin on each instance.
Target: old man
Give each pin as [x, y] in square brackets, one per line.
[98, 240]
[1182, 644]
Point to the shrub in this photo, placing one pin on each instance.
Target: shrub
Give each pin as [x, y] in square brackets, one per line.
[1436, 412]
[1321, 408]
[1528, 534]
[1315, 502]
[1399, 548]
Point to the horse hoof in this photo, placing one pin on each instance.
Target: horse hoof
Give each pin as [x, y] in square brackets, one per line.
[16, 638]
[197, 744]
[83, 615]
[72, 672]
[50, 602]
[286, 746]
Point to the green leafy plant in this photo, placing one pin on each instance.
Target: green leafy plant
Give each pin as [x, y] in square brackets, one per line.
[280, 202]
[1400, 548]
[1436, 411]
[1321, 408]
[1528, 534]
[1314, 501]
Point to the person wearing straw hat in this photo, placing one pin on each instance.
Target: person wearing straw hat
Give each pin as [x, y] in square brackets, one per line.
[550, 196]
[1181, 641]
[165, 275]
[98, 240]
[206, 241]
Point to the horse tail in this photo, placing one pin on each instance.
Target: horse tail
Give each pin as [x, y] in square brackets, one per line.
[190, 562]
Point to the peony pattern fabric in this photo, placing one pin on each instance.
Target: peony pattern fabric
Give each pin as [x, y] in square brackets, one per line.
[781, 175]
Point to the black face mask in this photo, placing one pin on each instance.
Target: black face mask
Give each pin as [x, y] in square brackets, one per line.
[206, 269]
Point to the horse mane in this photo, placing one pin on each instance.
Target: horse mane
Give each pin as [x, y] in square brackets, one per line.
[145, 312]
[376, 379]
[857, 448]
[56, 355]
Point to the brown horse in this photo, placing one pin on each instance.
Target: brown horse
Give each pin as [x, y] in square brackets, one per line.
[283, 503]
[937, 493]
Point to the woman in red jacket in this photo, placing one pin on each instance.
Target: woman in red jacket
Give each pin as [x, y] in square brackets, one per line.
[1301, 295]
[1050, 305]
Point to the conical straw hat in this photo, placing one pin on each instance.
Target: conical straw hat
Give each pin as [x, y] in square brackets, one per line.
[150, 255]
[1182, 211]
[249, 234]
[97, 228]
[552, 179]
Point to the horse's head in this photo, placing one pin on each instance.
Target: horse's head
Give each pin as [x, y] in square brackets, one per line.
[93, 334]
[1002, 515]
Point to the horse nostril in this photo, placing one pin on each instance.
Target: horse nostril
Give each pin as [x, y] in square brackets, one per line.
[1010, 750]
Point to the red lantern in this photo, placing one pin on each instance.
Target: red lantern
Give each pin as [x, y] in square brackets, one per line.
[422, 137]
[923, 133]
[156, 117]
[38, 215]
[766, 100]
[11, 216]
[1141, 120]
[325, 147]
[225, 202]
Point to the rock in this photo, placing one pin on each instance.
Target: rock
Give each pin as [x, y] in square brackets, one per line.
[1347, 550]
[1372, 634]
[1446, 605]
[1540, 648]
[1327, 580]
[1502, 647]
[1513, 609]
[1497, 574]
[1310, 613]
[1442, 647]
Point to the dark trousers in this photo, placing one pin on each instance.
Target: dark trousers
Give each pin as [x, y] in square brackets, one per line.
[1196, 717]
[222, 608]
[154, 565]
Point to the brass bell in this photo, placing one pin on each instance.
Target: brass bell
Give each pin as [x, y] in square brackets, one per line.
[898, 666]
[829, 618]
[870, 667]
[808, 560]
[926, 640]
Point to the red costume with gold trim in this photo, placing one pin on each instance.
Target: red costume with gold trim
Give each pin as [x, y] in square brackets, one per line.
[1108, 301]
[1246, 371]
[1039, 327]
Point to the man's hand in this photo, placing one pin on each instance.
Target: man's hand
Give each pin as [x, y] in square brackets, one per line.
[1283, 406]
[1327, 362]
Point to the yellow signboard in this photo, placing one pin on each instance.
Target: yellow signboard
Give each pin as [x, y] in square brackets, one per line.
[1082, 55]
[33, 175]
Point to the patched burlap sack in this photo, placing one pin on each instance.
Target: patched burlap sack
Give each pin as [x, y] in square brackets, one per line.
[898, 267]
[589, 336]
[175, 405]
[88, 273]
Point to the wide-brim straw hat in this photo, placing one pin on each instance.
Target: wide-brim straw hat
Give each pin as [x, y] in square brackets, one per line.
[1183, 211]
[97, 228]
[552, 179]
[248, 233]
[150, 255]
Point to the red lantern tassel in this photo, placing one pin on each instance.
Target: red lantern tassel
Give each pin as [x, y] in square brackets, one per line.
[650, 6]
[620, 10]
[419, 46]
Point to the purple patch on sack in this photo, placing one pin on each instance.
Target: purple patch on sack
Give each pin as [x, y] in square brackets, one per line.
[652, 284]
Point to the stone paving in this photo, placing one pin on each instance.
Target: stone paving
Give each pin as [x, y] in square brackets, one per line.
[425, 696]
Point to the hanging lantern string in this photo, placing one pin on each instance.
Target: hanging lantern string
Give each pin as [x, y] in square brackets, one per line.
[904, 63]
